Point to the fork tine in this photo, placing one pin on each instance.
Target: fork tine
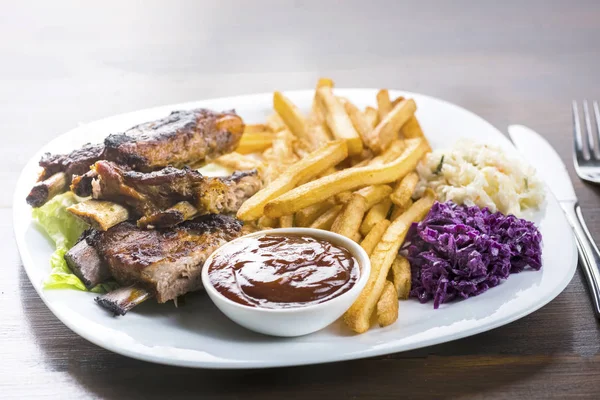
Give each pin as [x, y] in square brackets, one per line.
[589, 131]
[578, 141]
[597, 118]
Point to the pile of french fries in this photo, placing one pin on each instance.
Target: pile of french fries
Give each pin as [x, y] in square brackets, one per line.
[346, 170]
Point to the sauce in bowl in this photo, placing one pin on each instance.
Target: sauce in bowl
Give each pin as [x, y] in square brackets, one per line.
[283, 271]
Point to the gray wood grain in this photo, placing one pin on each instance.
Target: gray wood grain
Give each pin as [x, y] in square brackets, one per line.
[67, 62]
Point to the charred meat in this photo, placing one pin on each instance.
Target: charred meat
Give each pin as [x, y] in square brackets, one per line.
[166, 263]
[188, 137]
[86, 264]
[153, 195]
[58, 170]
[172, 216]
[76, 162]
[182, 138]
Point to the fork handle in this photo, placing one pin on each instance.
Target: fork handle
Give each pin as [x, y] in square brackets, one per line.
[589, 254]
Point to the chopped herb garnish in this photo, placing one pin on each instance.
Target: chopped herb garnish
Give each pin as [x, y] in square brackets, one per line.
[438, 169]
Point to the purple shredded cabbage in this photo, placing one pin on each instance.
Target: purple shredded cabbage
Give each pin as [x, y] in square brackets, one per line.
[461, 251]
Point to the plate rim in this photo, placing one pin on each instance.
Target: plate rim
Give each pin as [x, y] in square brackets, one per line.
[28, 263]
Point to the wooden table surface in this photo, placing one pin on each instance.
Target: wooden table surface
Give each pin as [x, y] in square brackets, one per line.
[64, 63]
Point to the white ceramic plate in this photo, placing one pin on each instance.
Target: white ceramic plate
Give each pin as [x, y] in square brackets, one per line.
[198, 335]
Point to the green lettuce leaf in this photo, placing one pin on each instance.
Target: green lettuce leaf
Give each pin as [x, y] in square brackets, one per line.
[64, 229]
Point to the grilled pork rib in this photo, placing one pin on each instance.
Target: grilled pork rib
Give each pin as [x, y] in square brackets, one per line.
[167, 263]
[182, 138]
[76, 162]
[122, 300]
[85, 263]
[152, 195]
[58, 169]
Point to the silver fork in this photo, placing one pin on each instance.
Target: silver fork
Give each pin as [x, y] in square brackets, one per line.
[586, 154]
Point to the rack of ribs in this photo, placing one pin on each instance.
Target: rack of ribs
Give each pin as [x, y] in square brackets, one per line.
[182, 138]
[163, 264]
[58, 170]
[153, 197]
[188, 137]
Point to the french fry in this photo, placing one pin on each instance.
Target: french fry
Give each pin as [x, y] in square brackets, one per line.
[256, 128]
[325, 220]
[394, 151]
[302, 171]
[365, 155]
[404, 189]
[255, 142]
[301, 148]
[389, 127]
[359, 315]
[401, 277]
[397, 211]
[357, 237]
[373, 194]
[360, 123]
[348, 221]
[390, 154]
[360, 161]
[377, 213]
[239, 162]
[287, 221]
[371, 116]
[384, 105]
[317, 118]
[328, 171]
[266, 222]
[344, 197]
[282, 148]
[308, 215]
[412, 128]
[280, 155]
[325, 82]
[275, 123]
[348, 179]
[293, 119]
[363, 163]
[337, 120]
[101, 215]
[374, 236]
[343, 100]
[398, 100]
[318, 132]
[387, 306]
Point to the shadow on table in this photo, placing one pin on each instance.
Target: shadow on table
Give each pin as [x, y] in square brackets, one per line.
[485, 363]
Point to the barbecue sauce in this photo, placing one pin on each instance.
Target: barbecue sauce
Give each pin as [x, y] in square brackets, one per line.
[283, 271]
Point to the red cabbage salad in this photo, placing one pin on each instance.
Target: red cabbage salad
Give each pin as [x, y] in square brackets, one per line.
[459, 251]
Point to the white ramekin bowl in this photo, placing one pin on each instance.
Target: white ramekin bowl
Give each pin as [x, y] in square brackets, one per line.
[294, 321]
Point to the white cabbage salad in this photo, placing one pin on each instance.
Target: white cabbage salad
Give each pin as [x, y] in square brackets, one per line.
[481, 175]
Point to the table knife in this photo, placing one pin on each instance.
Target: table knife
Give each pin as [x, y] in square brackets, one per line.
[550, 168]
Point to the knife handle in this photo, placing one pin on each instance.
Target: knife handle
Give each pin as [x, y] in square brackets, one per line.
[590, 256]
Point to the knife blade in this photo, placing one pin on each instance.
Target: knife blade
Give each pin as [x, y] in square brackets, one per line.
[550, 168]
